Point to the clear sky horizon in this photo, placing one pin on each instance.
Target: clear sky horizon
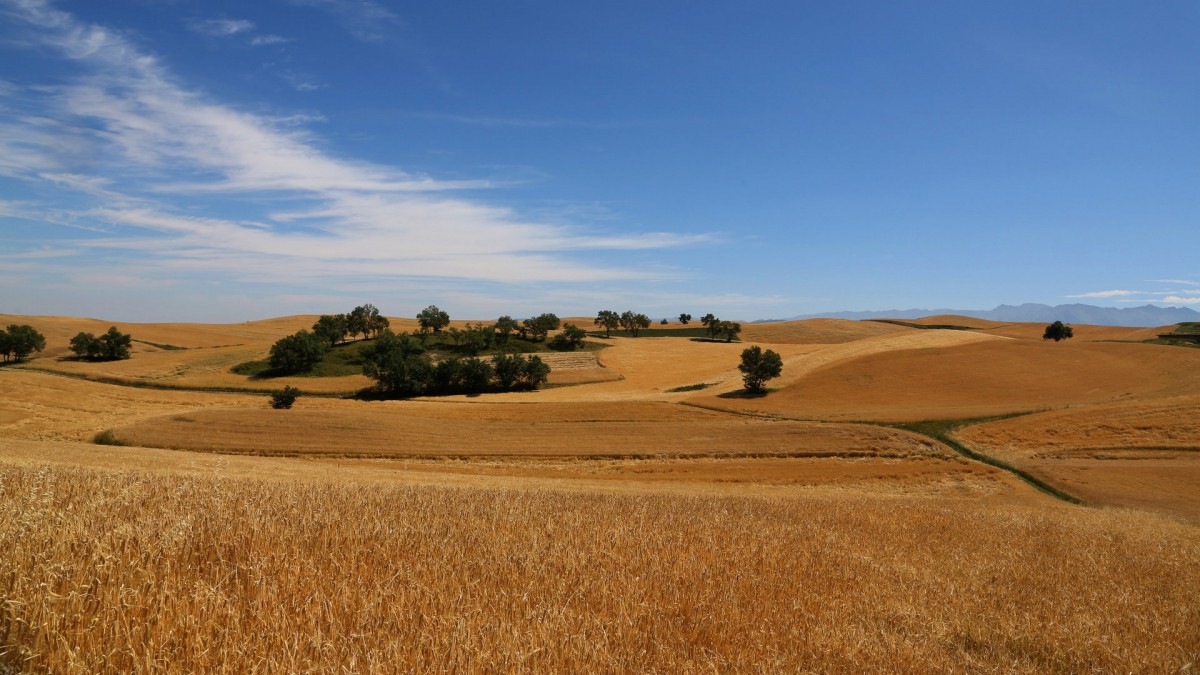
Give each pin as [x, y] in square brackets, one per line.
[179, 160]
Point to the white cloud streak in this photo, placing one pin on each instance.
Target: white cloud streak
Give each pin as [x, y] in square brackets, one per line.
[221, 27]
[339, 218]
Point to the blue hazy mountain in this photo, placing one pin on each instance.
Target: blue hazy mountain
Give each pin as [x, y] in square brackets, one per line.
[1146, 315]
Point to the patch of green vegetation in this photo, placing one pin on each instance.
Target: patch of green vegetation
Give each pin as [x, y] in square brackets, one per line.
[691, 387]
[923, 326]
[1188, 327]
[942, 431]
[169, 348]
[107, 437]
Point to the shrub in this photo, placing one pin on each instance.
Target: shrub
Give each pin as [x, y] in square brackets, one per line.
[283, 400]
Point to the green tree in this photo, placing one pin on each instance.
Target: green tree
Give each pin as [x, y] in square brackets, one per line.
[609, 320]
[298, 353]
[1058, 331]
[115, 345]
[475, 376]
[19, 341]
[86, 346]
[712, 323]
[535, 373]
[365, 319]
[729, 329]
[396, 365]
[632, 322]
[508, 369]
[432, 319]
[570, 339]
[332, 328]
[540, 326]
[685, 318]
[758, 366]
[505, 326]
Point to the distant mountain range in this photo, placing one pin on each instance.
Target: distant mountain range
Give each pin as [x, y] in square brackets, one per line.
[1147, 315]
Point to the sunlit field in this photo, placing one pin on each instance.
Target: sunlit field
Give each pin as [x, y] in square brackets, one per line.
[619, 523]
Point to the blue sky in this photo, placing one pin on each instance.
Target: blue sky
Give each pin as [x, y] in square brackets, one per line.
[225, 161]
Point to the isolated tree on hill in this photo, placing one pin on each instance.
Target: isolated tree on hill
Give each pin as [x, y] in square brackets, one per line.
[298, 353]
[331, 328]
[432, 319]
[609, 320]
[685, 318]
[730, 329]
[540, 326]
[758, 366]
[570, 339]
[19, 341]
[1057, 331]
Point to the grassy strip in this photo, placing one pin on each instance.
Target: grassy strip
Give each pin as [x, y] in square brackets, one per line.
[923, 326]
[169, 348]
[943, 430]
[691, 387]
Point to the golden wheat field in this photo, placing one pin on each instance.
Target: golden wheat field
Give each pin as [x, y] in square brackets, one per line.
[641, 515]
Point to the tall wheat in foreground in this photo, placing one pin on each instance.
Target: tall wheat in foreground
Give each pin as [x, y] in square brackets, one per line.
[129, 571]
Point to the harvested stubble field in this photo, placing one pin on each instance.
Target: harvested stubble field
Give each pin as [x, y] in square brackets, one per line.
[608, 526]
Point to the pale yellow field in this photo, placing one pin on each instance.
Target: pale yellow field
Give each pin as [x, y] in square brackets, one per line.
[611, 525]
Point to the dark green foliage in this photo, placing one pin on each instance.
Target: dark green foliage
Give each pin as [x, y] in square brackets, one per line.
[298, 353]
[505, 327]
[332, 328]
[690, 387]
[730, 330]
[514, 371]
[283, 400]
[632, 322]
[712, 323]
[609, 320]
[923, 326]
[396, 365]
[539, 327]
[473, 339]
[535, 373]
[367, 320]
[432, 319]
[107, 437]
[758, 366]
[111, 346]
[664, 322]
[19, 341]
[570, 339]
[461, 376]
[1057, 331]
[685, 318]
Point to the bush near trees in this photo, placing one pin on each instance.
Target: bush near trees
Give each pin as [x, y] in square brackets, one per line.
[298, 353]
[729, 329]
[758, 366]
[685, 318]
[570, 339]
[1058, 331]
[283, 400]
[19, 341]
[111, 346]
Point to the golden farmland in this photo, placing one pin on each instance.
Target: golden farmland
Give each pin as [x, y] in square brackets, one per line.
[609, 525]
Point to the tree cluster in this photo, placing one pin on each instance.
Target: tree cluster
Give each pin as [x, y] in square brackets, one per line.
[718, 328]
[19, 341]
[299, 352]
[631, 322]
[570, 339]
[363, 320]
[400, 368]
[111, 346]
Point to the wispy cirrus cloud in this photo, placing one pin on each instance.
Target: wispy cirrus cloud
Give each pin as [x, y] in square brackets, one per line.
[220, 27]
[366, 20]
[158, 154]
[1107, 294]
